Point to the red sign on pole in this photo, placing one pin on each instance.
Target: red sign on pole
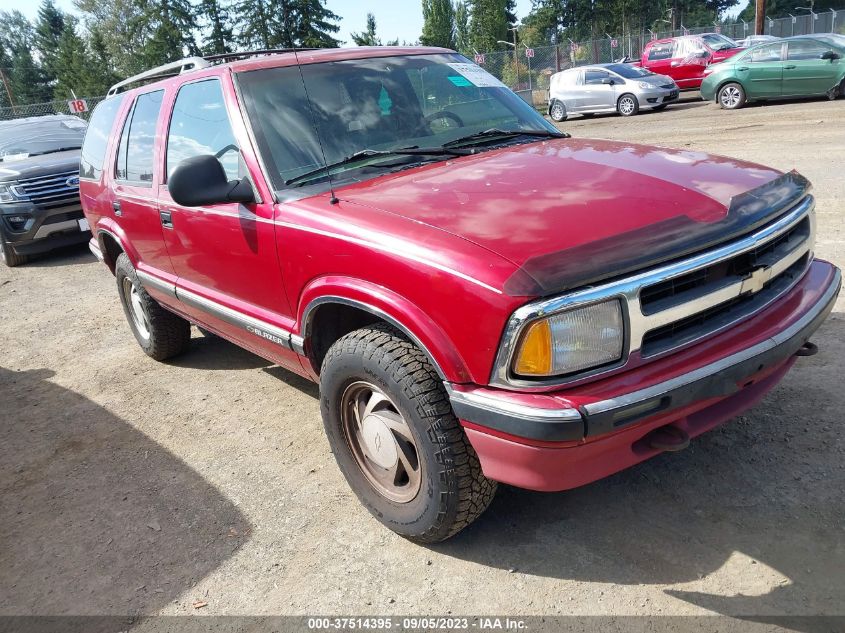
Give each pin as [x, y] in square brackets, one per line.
[479, 58]
[78, 106]
[529, 52]
[718, 29]
[614, 43]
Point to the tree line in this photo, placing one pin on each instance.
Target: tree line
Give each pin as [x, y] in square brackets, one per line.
[59, 54]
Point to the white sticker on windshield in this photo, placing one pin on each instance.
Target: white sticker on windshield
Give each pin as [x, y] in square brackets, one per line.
[477, 75]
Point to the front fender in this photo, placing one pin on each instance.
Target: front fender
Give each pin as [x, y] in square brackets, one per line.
[393, 308]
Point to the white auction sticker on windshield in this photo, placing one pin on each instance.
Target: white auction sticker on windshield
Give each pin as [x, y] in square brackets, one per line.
[477, 76]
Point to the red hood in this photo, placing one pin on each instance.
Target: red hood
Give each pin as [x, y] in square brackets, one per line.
[530, 200]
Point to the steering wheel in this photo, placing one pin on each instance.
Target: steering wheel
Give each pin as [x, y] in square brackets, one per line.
[445, 114]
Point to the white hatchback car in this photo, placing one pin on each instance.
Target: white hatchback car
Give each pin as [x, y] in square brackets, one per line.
[619, 87]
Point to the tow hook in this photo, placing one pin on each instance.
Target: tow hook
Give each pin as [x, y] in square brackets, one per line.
[808, 349]
[668, 438]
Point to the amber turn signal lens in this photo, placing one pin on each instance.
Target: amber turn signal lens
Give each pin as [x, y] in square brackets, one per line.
[535, 353]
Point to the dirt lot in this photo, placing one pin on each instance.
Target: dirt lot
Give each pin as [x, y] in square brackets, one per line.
[130, 486]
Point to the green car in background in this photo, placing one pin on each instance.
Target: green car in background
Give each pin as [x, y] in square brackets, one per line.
[794, 67]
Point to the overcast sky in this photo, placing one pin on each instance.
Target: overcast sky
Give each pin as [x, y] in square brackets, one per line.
[394, 18]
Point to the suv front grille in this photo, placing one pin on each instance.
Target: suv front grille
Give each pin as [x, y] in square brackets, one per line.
[49, 191]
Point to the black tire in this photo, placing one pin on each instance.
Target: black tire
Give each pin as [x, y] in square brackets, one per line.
[166, 333]
[731, 96]
[451, 491]
[557, 111]
[837, 91]
[10, 257]
[627, 105]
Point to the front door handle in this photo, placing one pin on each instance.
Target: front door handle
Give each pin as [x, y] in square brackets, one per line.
[166, 218]
[743, 68]
[790, 67]
[116, 206]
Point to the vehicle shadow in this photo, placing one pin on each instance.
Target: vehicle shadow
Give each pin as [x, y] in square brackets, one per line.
[96, 517]
[64, 256]
[754, 507]
[216, 353]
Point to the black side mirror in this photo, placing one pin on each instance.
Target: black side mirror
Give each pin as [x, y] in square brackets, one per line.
[608, 81]
[201, 180]
[831, 55]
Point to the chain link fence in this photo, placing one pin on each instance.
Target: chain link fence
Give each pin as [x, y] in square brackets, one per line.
[530, 75]
[81, 107]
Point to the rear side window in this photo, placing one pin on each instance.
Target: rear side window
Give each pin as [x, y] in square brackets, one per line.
[661, 51]
[93, 155]
[199, 125]
[769, 53]
[137, 142]
[807, 49]
[592, 77]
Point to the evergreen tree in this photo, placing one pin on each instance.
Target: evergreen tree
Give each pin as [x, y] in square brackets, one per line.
[490, 21]
[217, 18]
[438, 23]
[120, 27]
[368, 37]
[167, 29]
[71, 64]
[315, 25]
[26, 79]
[462, 38]
[49, 27]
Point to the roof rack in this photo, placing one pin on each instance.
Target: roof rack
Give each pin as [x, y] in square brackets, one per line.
[195, 63]
[224, 57]
[161, 72]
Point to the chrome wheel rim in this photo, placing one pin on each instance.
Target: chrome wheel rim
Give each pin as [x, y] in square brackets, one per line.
[381, 442]
[139, 316]
[557, 111]
[730, 96]
[626, 105]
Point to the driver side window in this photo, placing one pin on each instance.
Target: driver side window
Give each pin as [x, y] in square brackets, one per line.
[595, 77]
[200, 125]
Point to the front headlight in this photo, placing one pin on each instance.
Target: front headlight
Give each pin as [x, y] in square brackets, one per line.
[6, 194]
[571, 341]
[645, 85]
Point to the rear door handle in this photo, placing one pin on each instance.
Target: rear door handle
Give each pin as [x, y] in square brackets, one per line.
[166, 218]
[116, 206]
[790, 67]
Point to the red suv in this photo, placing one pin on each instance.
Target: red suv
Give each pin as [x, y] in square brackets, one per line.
[685, 58]
[481, 297]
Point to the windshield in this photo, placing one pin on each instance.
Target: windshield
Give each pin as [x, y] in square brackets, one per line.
[832, 38]
[372, 107]
[628, 71]
[23, 138]
[718, 42]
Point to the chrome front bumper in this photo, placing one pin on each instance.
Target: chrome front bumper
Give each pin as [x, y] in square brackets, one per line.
[714, 380]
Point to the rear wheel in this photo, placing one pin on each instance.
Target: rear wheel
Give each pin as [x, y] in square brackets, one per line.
[160, 333]
[10, 256]
[836, 92]
[627, 105]
[731, 96]
[395, 438]
[557, 111]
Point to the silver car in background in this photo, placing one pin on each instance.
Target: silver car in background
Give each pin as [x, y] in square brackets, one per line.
[619, 87]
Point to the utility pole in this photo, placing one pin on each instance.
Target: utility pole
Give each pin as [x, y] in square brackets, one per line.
[760, 17]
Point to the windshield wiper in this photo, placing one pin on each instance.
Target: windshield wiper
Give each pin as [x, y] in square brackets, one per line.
[53, 151]
[365, 154]
[503, 134]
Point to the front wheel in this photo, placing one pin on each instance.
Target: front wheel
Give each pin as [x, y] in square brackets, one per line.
[731, 96]
[10, 257]
[558, 111]
[627, 105]
[160, 333]
[395, 438]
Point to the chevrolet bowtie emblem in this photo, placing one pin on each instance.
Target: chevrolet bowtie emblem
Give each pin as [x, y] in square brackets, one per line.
[755, 281]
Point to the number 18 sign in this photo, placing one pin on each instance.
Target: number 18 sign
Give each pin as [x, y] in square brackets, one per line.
[77, 106]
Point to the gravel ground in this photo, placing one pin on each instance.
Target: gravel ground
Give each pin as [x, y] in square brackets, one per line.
[130, 486]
